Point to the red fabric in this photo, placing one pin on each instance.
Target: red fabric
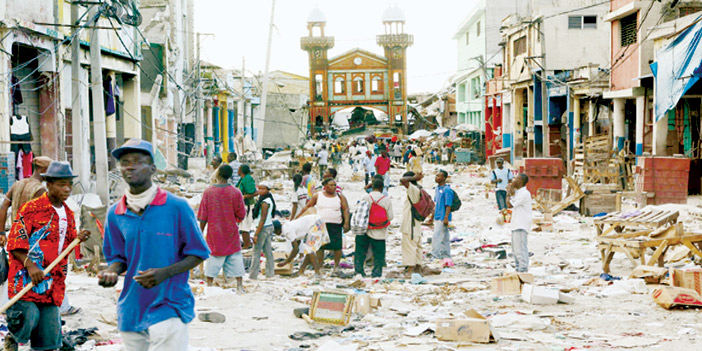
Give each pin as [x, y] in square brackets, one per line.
[27, 164]
[33, 216]
[222, 208]
[394, 138]
[382, 165]
[159, 200]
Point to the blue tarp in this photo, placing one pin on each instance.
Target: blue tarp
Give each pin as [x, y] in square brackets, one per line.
[678, 68]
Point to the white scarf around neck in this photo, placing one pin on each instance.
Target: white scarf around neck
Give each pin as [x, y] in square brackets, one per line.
[139, 202]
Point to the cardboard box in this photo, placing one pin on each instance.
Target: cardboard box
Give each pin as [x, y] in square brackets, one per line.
[690, 278]
[473, 328]
[279, 257]
[669, 297]
[539, 295]
[650, 274]
[510, 284]
[375, 302]
[362, 305]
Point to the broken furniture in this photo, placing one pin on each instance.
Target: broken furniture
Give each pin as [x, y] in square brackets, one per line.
[634, 244]
[632, 233]
[549, 200]
[648, 219]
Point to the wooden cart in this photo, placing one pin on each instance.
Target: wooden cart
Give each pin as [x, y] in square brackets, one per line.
[635, 244]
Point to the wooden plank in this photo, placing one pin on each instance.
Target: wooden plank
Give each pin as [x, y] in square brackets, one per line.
[659, 251]
[692, 248]
[628, 254]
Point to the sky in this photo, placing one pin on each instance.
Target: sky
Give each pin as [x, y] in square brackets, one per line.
[240, 29]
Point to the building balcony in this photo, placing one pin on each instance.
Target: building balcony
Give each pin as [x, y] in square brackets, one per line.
[403, 40]
[311, 43]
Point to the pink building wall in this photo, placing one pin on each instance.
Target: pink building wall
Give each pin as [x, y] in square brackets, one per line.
[624, 71]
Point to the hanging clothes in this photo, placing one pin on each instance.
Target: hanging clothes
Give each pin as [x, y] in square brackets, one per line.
[19, 165]
[19, 125]
[109, 96]
[20, 131]
[27, 161]
[118, 95]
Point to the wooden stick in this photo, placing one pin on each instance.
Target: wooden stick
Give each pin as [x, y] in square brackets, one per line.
[47, 270]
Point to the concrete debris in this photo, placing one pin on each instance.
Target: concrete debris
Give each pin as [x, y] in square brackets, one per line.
[561, 304]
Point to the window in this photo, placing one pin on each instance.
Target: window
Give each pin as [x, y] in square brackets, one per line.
[477, 29]
[519, 46]
[358, 85]
[461, 92]
[582, 22]
[397, 85]
[475, 87]
[376, 84]
[467, 38]
[318, 86]
[339, 85]
[628, 29]
[589, 22]
[575, 22]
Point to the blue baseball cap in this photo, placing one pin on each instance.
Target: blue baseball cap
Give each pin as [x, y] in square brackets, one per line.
[134, 145]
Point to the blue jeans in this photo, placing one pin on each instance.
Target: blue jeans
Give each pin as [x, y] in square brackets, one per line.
[441, 241]
[263, 244]
[39, 323]
[501, 196]
[520, 250]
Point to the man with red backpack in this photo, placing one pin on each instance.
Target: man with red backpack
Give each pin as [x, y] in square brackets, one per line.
[418, 207]
[379, 217]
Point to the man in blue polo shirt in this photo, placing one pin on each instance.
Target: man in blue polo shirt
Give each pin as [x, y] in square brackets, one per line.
[441, 242]
[153, 236]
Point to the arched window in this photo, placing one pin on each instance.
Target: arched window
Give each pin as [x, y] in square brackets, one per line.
[397, 83]
[358, 84]
[339, 85]
[377, 84]
[318, 88]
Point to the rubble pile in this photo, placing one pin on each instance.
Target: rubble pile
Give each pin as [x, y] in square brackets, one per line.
[565, 302]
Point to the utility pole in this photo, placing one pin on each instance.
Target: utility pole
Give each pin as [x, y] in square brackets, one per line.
[241, 125]
[81, 134]
[99, 127]
[199, 136]
[264, 94]
[199, 123]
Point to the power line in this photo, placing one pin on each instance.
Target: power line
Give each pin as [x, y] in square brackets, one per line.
[577, 9]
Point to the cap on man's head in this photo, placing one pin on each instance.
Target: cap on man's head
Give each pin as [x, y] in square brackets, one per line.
[265, 184]
[132, 145]
[500, 160]
[42, 161]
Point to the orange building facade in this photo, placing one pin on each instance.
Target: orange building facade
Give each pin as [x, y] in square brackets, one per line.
[358, 78]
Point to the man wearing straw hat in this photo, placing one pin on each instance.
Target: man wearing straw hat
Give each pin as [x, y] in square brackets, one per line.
[43, 228]
[153, 236]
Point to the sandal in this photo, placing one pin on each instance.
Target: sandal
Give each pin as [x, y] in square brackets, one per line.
[71, 311]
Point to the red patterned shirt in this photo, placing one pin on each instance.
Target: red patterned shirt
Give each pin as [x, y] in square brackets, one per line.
[36, 229]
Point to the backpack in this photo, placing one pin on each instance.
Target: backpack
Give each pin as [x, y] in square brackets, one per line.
[424, 207]
[359, 218]
[456, 203]
[377, 216]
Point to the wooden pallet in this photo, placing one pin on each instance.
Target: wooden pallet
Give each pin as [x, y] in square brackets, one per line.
[646, 218]
[635, 244]
[550, 207]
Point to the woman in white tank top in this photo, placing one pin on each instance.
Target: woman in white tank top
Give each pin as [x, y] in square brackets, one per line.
[334, 211]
